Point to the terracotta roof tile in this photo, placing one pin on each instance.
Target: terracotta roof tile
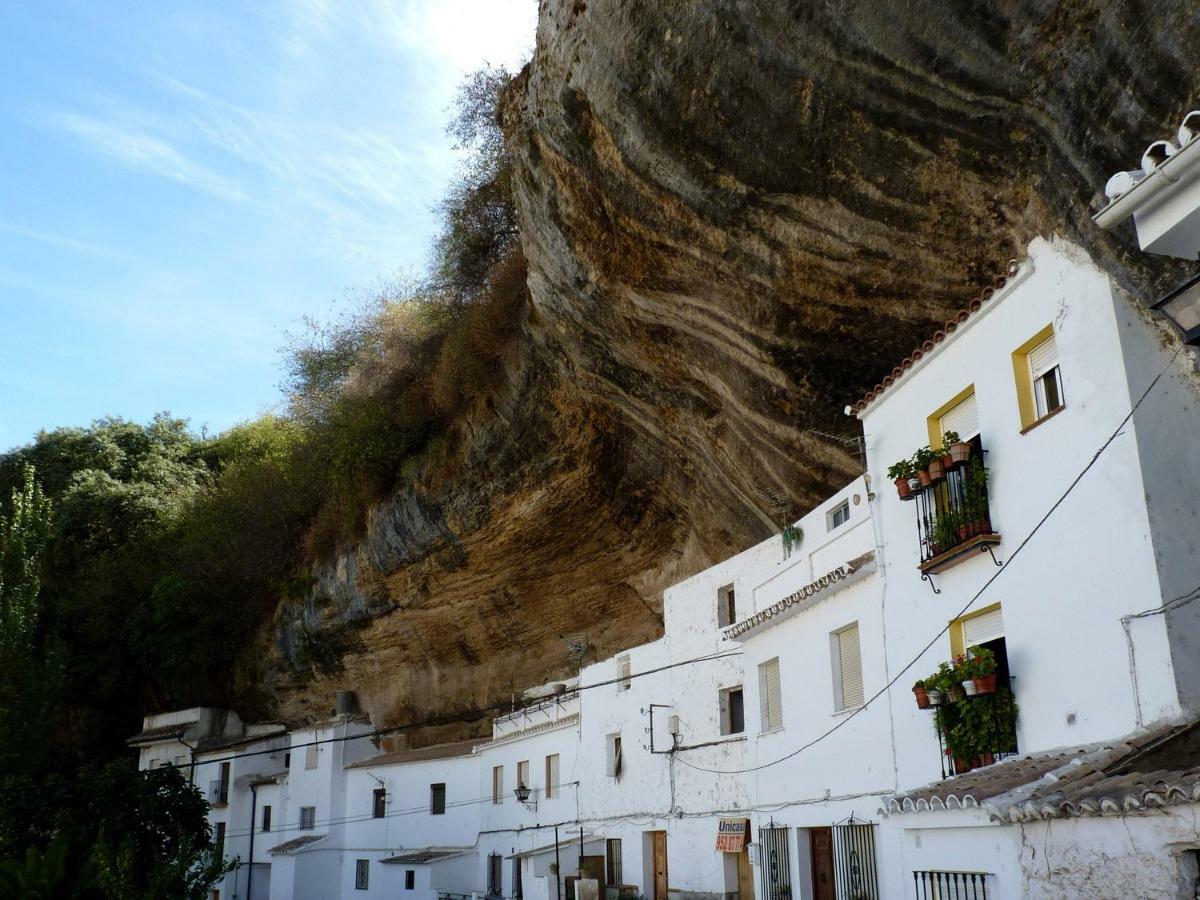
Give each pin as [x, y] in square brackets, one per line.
[938, 336]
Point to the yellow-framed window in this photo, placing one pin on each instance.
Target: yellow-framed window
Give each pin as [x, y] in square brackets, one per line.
[977, 627]
[1038, 378]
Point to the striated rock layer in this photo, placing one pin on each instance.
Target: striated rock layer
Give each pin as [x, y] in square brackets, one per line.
[737, 217]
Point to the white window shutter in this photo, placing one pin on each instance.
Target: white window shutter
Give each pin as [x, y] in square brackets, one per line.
[962, 418]
[850, 660]
[772, 701]
[983, 628]
[1043, 357]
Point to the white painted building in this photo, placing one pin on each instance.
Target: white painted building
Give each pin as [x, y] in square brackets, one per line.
[778, 704]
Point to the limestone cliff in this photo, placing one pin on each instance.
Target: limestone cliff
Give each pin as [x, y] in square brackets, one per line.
[737, 216]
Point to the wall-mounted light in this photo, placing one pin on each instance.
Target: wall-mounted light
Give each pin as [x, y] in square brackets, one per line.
[523, 794]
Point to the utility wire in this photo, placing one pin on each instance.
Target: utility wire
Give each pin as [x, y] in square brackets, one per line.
[987, 584]
[464, 715]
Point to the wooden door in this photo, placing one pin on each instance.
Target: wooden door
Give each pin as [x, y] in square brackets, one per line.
[821, 844]
[745, 875]
[593, 867]
[660, 865]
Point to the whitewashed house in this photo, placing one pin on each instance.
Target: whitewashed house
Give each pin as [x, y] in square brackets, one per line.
[770, 744]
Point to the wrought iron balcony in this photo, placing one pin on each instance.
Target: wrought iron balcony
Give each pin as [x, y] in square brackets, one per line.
[938, 885]
[953, 516]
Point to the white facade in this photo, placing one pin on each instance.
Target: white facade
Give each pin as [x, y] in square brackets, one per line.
[645, 755]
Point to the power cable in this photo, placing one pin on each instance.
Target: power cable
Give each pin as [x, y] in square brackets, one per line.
[987, 584]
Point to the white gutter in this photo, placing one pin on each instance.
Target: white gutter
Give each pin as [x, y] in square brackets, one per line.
[1174, 169]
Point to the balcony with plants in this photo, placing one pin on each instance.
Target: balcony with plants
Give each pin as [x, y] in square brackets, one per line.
[974, 710]
[949, 488]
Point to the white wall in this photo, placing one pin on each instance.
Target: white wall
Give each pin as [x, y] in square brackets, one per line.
[1092, 562]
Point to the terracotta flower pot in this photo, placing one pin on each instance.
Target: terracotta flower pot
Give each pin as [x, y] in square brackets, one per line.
[968, 687]
[960, 452]
[961, 766]
[947, 462]
[926, 479]
[922, 696]
[984, 759]
[902, 488]
[964, 532]
[986, 684]
[936, 472]
[954, 694]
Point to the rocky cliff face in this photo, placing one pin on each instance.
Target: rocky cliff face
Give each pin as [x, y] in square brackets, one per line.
[737, 217]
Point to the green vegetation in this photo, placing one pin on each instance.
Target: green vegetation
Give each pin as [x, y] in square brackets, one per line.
[139, 568]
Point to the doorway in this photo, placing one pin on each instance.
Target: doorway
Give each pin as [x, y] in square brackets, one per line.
[658, 842]
[821, 846]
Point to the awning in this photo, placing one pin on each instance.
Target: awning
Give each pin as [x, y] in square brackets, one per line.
[563, 845]
[732, 834]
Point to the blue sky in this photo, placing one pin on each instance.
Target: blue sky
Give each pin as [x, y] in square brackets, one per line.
[181, 182]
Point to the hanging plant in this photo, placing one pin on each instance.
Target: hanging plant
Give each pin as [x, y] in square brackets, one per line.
[791, 536]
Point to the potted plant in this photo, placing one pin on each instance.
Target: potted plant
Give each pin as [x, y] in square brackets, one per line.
[950, 437]
[944, 534]
[922, 695]
[901, 473]
[960, 450]
[964, 673]
[983, 668]
[920, 462]
[975, 505]
[937, 471]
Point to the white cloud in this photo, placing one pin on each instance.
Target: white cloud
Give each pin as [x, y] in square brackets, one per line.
[58, 240]
[138, 149]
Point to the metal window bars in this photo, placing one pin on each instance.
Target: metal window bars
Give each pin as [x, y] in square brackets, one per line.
[953, 509]
[855, 871]
[939, 885]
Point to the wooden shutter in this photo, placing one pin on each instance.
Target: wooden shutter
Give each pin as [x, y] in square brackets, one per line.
[850, 664]
[982, 628]
[772, 701]
[963, 418]
[1043, 357]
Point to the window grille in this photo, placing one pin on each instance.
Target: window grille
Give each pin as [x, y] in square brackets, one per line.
[775, 863]
[855, 870]
[362, 874]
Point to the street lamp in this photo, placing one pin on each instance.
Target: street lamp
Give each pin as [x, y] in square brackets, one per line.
[1182, 306]
[522, 793]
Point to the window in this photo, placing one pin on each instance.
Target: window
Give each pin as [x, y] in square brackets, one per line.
[733, 711]
[310, 756]
[552, 776]
[770, 700]
[981, 627]
[625, 673]
[219, 841]
[961, 416]
[287, 760]
[494, 874]
[1047, 381]
[266, 818]
[437, 799]
[362, 872]
[308, 818]
[523, 773]
[839, 515]
[1038, 378]
[516, 878]
[612, 856]
[614, 755]
[847, 668]
[497, 784]
[410, 879]
[726, 606]
[224, 781]
[378, 802]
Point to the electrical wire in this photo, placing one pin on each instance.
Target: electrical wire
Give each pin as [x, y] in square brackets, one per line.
[987, 584]
[455, 718]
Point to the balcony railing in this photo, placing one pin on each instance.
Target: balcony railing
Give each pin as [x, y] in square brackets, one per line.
[953, 515]
[938, 885]
[1003, 748]
[218, 793]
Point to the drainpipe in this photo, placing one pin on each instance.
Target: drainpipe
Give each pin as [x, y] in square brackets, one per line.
[1166, 173]
[192, 764]
[557, 868]
[253, 815]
